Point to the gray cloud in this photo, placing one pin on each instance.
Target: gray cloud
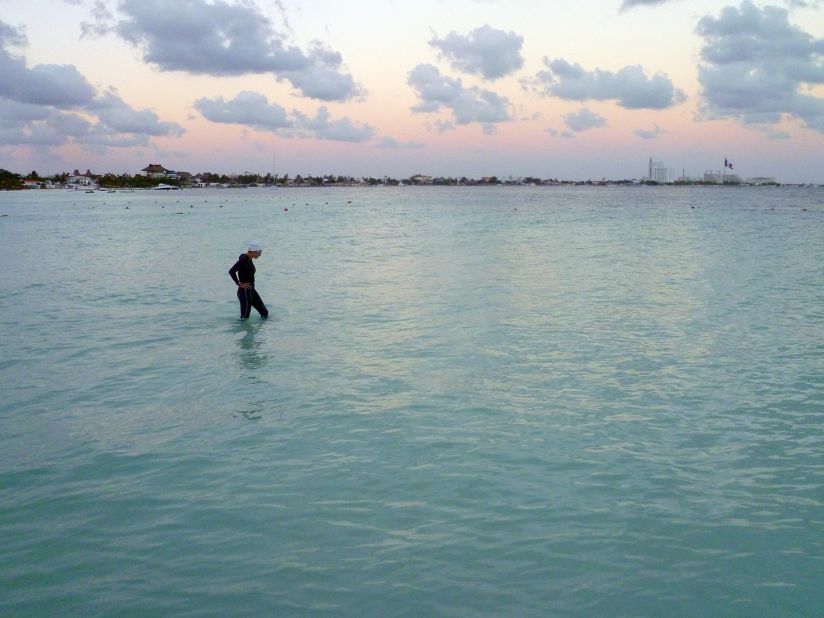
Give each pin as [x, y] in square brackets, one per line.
[102, 21]
[341, 130]
[72, 125]
[629, 87]
[653, 133]
[485, 51]
[34, 103]
[99, 139]
[115, 114]
[756, 66]
[247, 108]
[9, 35]
[390, 143]
[224, 39]
[793, 4]
[44, 84]
[321, 78]
[628, 4]
[13, 112]
[466, 104]
[253, 110]
[563, 134]
[583, 120]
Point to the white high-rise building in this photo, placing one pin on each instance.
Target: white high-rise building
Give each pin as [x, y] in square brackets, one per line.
[658, 172]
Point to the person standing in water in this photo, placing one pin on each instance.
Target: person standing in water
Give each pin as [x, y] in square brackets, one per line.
[243, 274]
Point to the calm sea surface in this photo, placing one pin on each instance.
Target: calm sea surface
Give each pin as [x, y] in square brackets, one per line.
[467, 402]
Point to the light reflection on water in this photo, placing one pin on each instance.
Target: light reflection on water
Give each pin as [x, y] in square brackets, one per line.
[471, 402]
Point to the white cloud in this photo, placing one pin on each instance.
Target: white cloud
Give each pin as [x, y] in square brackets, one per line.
[466, 104]
[630, 87]
[253, 110]
[485, 51]
[756, 67]
[583, 120]
[227, 39]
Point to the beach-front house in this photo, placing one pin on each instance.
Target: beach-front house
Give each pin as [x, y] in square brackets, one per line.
[420, 179]
[153, 170]
[79, 180]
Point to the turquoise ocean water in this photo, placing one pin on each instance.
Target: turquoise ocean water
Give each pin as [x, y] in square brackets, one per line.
[467, 402]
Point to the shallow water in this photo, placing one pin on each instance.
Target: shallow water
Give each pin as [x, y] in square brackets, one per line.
[492, 401]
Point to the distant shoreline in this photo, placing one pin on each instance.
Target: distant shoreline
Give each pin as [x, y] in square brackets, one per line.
[599, 184]
[170, 180]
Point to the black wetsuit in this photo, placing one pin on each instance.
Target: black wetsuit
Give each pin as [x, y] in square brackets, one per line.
[244, 272]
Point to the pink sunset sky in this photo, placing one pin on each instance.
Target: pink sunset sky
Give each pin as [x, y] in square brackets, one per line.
[565, 89]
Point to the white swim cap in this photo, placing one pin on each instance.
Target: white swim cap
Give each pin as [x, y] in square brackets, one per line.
[255, 246]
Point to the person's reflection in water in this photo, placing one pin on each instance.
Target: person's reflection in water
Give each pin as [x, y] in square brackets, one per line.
[251, 355]
[252, 358]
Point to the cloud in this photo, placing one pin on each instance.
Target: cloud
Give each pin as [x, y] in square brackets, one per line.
[13, 112]
[102, 21]
[31, 124]
[564, 134]
[390, 143]
[442, 126]
[247, 108]
[466, 104]
[341, 130]
[115, 114]
[9, 35]
[226, 39]
[628, 4]
[321, 79]
[252, 109]
[485, 51]
[72, 125]
[583, 120]
[757, 67]
[43, 84]
[50, 105]
[629, 87]
[36, 134]
[100, 138]
[653, 133]
[778, 135]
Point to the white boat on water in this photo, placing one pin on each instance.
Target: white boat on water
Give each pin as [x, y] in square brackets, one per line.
[163, 187]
